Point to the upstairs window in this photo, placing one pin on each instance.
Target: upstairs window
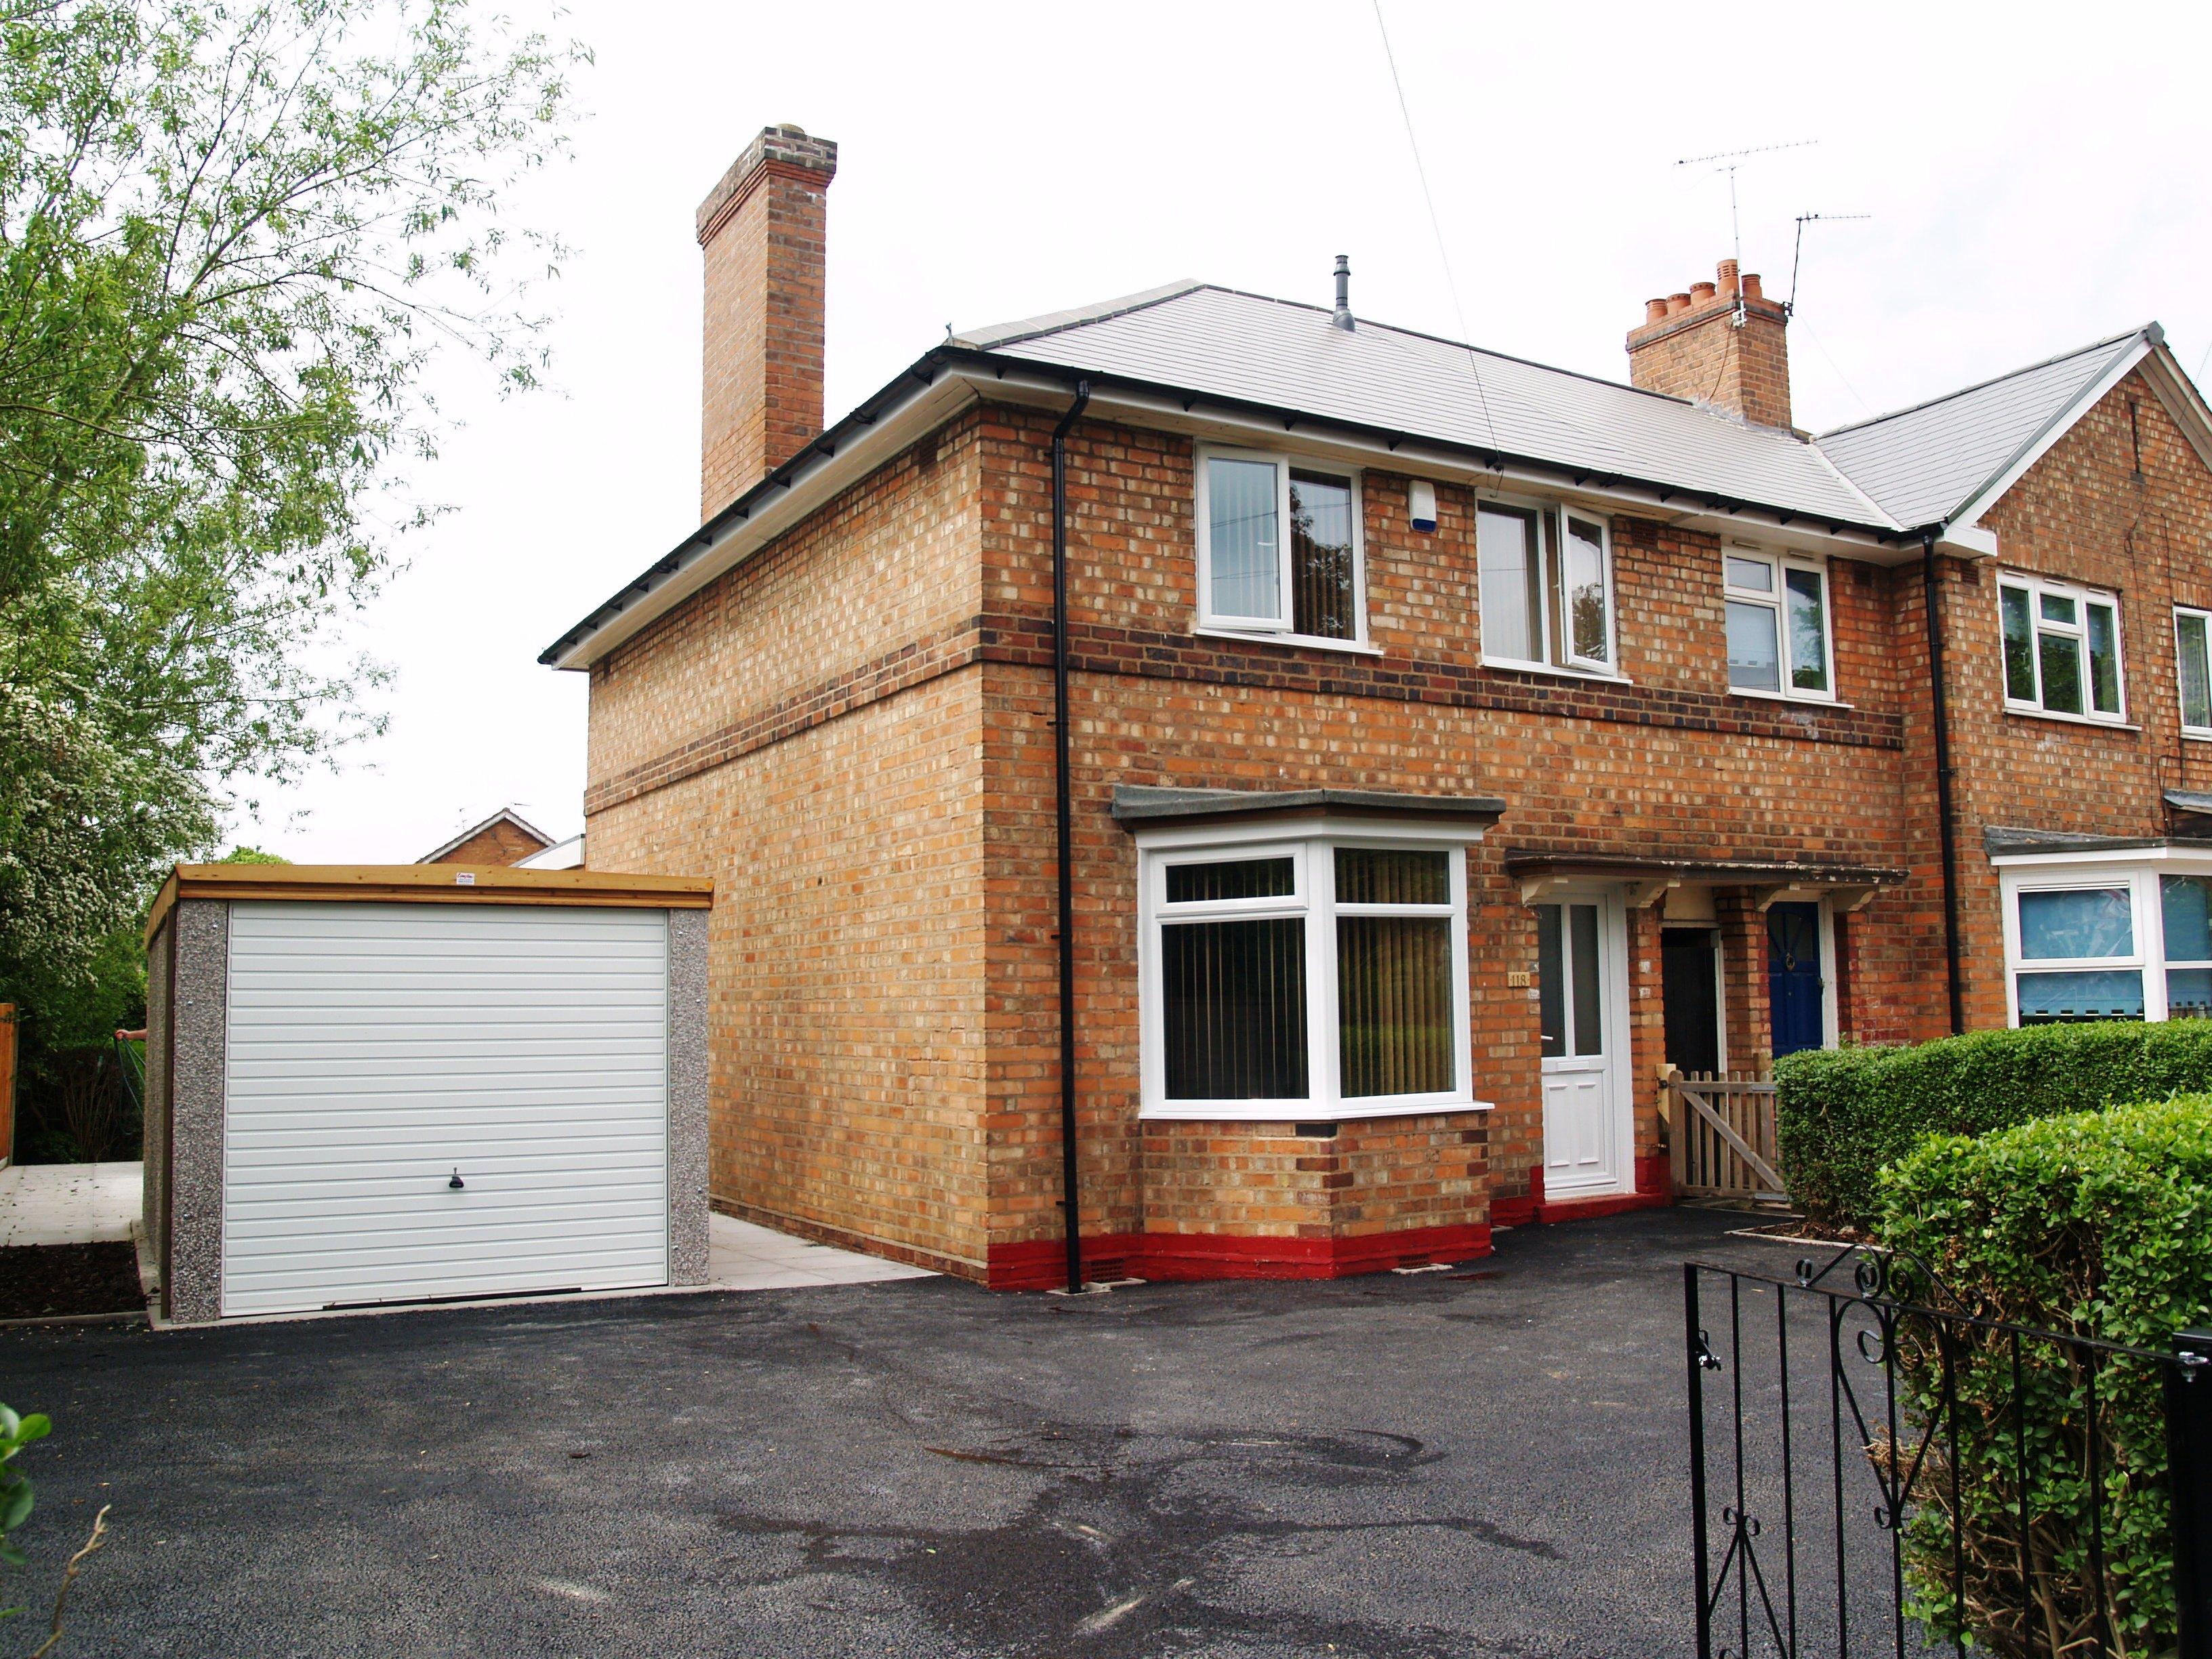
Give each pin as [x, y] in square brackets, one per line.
[1778, 636]
[1278, 547]
[2062, 649]
[1546, 587]
[2192, 645]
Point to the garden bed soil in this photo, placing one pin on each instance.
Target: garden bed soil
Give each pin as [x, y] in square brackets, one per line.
[57, 1281]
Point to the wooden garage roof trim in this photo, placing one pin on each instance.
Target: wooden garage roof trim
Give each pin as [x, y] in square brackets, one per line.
[428, 883]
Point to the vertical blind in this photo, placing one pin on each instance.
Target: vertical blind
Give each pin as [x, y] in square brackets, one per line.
[1234, 1009]
[1394, 974]
[1321, 556]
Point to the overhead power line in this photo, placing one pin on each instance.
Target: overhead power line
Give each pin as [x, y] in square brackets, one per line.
[1436, 224]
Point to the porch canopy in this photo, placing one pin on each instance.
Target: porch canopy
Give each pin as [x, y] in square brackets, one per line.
[1647, 881]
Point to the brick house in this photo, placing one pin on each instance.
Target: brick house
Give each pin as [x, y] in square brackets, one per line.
[1449, 742]
[505, 837]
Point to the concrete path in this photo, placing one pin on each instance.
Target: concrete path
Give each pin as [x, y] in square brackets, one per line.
[68, 1203]
[92, 1203]
[741, 1256]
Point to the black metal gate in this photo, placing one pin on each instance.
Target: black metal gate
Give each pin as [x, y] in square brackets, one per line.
[1877, 1468]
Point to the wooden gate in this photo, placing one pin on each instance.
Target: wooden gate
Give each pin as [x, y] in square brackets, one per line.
[1722, 1127]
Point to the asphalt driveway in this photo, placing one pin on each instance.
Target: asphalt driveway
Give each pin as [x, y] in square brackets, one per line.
[1484, 1462]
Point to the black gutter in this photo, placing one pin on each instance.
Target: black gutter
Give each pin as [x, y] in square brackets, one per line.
[1065, 846]
[1947, 825]
[926, 368]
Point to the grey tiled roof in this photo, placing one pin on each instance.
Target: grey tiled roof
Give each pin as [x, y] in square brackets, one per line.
[1221, 342]
[1924, 464]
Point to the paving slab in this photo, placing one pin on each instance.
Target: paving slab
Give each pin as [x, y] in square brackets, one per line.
[68, 1203]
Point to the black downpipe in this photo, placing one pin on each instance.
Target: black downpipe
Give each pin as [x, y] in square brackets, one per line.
[1946, 825]
[1066, 837]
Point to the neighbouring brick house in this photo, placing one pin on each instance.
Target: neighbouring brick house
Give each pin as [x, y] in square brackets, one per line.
[505, 837]
[1452, 741]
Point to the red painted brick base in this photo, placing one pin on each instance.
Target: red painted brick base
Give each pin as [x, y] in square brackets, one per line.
[1040, 1264]
[1654, 1190]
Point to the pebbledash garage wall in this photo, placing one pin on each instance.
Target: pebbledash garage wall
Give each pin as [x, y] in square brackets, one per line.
[369, 1085]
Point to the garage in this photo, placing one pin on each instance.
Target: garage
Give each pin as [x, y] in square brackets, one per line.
[370, 1086]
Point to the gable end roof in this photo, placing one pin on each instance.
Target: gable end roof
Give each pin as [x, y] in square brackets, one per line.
[1945, 460]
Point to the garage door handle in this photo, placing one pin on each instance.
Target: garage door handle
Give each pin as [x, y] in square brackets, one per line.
[455, 1183]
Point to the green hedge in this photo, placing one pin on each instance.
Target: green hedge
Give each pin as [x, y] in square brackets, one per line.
[1842, 1114]
[2095, 1224]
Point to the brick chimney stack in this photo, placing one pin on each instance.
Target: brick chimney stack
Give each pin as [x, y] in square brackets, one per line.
[1702, 345]
[762, 229]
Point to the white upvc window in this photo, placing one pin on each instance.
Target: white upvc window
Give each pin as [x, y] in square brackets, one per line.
[1280, 547]
[2062, 649]
[2192, 649]
[1547, 591]
[1781, 640]
[1303, 973]
[2104, 936]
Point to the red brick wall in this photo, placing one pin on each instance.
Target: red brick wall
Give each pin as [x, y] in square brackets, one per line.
[1670, 765]
[853, 733]
[2082, 512]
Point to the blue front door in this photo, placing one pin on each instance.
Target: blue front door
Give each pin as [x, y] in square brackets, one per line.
[1792, 977]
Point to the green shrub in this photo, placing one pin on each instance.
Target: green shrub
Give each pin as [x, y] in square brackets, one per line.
[1842, 1114]
[2095, 1224]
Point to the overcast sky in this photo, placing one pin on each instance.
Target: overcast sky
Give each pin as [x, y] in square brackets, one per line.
[2035, 178]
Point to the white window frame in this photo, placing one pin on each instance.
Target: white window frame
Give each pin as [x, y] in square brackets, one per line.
[2136, 868]
[2035, 587]
[2181, 708]
[1777, 602]
[1281, 630]
[1554, 516]
[1312, 842]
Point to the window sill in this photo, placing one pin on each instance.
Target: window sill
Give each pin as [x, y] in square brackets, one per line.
[2019, 713]
[2189, 736]
[1555, 672]
[1277, 1111]
[1303, 642]
[1785, 696]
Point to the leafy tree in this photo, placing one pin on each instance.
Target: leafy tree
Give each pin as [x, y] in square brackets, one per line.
[232, 237]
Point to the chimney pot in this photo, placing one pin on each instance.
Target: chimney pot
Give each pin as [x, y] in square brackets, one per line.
[762, 232]
[1717, 351]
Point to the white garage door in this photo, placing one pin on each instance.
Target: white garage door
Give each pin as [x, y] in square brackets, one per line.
[377, 1051]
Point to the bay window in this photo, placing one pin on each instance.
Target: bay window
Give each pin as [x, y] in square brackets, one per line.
[2192, 645]
[1278, 547]
[1778, 632]
[2062, 649]
[1545, 588]
[1291, 974]
[2109, 935]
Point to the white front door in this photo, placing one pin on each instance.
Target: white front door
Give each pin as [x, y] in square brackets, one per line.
[1581, 971]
